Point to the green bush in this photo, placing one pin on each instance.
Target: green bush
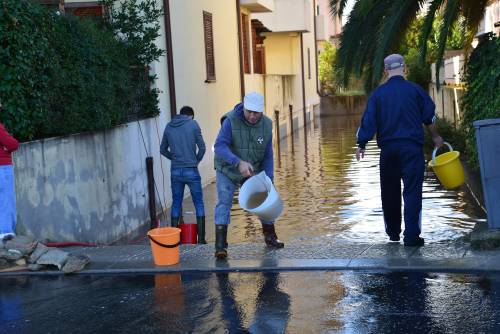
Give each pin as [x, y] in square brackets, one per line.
[449, 133]
[481, 99]
[60, 74]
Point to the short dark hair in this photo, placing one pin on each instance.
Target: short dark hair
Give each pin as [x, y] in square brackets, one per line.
[187, 110]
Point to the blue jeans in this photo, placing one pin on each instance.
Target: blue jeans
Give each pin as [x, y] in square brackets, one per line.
[225, 194]
[180, 177]
[7, 200]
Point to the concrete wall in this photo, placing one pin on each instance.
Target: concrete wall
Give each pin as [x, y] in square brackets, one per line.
[209, 100]
[288, 16]
[88, 187]
[342, 105]
[447, 100]
[281, 54]
[93, 187]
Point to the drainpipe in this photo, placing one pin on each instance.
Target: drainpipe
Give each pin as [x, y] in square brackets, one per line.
[303, 79]
[316, 48]
[170, 59]
[240, 44]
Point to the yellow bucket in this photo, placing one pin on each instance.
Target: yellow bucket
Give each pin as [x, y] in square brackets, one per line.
[165, 243]
[448, 168]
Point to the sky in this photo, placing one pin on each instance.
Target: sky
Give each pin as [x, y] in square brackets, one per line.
[347, 10]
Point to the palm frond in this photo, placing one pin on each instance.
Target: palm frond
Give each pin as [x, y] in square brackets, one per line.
[337, 7]
[427, 27]
[451, 12]
[356, 47]
[473, 11]
[399, 18]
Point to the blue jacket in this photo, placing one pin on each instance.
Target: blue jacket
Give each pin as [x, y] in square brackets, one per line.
[180, 139]
[223, 144]
[396, 111]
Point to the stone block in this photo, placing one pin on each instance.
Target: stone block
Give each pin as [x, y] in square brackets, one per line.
[482, 238]
[54, 257]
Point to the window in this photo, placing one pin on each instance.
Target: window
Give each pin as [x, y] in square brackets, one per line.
[92, 8]
[258, 50]
[317, 9]
[209, 46]
[85, 9]
[244, 41]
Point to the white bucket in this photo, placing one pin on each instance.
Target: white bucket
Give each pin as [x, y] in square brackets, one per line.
[259, 197]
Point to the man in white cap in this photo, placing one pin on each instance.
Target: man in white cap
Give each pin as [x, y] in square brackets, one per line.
[396, 111]
[243, 148]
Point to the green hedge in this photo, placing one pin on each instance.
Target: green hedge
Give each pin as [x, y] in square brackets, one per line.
[60, 74]
[482, 97]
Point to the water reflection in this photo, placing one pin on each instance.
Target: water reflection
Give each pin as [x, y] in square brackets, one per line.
[330, 197]
[289, 302]
[420, 303]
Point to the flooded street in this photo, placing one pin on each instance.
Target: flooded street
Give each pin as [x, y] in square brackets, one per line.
[330, 197]
[286, 302]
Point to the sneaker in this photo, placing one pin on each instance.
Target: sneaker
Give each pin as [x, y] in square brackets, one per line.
[418, 242]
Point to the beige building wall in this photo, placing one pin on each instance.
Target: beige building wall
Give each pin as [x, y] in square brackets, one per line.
[283, 82]
[209, 100]
[334, 24]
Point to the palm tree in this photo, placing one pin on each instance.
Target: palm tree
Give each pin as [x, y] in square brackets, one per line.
[375, 28]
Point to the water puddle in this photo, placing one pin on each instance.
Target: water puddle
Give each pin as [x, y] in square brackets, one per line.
[330, 197]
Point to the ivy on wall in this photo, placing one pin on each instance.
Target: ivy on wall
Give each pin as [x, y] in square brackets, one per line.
[60, 74]
[482, 96]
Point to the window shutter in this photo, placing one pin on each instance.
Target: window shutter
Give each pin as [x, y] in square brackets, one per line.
[209, 46]
[245, 48]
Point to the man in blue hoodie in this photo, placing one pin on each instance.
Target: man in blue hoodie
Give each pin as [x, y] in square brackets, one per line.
[396, 111]
[243, 148]
[183, 145]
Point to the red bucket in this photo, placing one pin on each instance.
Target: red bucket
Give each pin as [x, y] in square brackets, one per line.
[188, 233]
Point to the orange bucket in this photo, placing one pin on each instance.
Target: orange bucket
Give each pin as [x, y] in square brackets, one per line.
[165, 243]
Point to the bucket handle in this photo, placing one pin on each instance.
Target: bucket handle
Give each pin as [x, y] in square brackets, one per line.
[163, 245]
[436, 148]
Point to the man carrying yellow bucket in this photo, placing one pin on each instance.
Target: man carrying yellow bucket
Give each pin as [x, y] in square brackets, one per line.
[395, 111]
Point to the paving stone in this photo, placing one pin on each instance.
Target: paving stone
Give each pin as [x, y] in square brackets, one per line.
[25, 245]
[387, 251]
[36, 267]
[54, 257]
[38, 252]
[442, 251]
[75, 263]
[11, 254]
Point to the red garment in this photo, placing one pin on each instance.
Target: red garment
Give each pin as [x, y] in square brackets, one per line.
[8, 144]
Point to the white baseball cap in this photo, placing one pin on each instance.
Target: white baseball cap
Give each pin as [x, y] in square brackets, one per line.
[254, 102]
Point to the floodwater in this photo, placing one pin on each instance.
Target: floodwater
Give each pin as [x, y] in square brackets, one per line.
[330, 197]
[285, 302]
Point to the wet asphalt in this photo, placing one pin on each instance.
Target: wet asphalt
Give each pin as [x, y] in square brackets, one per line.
[274, 302]
[331, 202]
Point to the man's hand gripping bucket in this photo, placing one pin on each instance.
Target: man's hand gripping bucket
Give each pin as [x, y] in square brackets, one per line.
[448, 168]
[259, 197]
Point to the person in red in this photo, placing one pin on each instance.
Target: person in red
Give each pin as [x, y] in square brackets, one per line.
[8, 144]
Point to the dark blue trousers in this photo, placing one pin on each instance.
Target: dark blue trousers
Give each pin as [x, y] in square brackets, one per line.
[402, 161]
